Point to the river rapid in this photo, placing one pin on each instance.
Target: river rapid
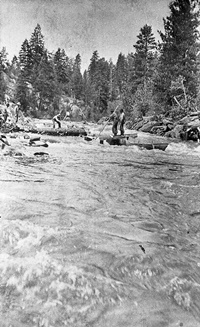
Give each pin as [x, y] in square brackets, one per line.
[94, 235]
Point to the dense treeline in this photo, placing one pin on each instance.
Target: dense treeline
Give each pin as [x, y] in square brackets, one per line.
[161, 77]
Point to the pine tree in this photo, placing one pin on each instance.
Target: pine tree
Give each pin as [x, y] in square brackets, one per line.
[2, 85]
[37, 51]
[76, 79]
[4, 62]
[86, 88]
[45, 86]
[30, 57]
[24, 76]
[37, 45]
[92, 69]
[92, 80]
[60, 62]
[144, 55]
[179, 48]
[26, 60]
[64, 69]
[130, 87]
[138, 92]
[23, 93]
[121, 72]
[3, 69]
[102, 85]
[131, 69]
[113, 92]
[99, 75]
[15, 66]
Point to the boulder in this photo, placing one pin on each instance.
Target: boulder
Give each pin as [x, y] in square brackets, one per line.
[148, 126]
[128, 124]
[159, 129]
[175, 132]
[77, 113]
[138, 125]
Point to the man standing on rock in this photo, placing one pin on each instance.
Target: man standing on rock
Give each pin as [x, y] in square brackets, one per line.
[115, 118]
[122, 121]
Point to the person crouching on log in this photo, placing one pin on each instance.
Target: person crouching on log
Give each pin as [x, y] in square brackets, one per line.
[56, 119]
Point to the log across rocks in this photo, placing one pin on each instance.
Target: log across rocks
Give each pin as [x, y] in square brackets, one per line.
[57, 132]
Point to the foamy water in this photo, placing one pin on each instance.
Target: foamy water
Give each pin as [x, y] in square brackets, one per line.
[99, 235]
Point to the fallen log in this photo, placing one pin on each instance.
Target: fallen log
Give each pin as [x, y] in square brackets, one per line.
[56, 132]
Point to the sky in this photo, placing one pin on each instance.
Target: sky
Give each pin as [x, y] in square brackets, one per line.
[80, 26]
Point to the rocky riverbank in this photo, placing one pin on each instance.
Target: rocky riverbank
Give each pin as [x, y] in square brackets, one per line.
[186, 128]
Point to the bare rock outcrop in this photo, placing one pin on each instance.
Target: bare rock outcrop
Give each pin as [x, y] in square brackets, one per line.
[186, 128]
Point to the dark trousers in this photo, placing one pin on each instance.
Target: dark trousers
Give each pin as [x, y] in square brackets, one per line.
[114, 127]
[58, 122]
[122, 128]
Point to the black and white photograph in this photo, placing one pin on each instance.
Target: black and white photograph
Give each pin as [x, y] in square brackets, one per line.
[99, 163]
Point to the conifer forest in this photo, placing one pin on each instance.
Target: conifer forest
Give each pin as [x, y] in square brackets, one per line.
[158, 76]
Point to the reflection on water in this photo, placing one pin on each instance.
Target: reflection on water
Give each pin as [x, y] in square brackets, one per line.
[94, 235]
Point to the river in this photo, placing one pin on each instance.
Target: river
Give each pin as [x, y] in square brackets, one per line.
[94, 235]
